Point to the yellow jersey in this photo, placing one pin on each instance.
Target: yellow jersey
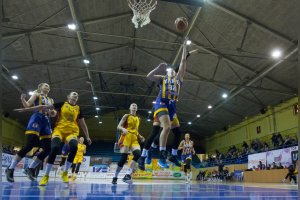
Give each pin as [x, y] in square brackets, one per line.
[132, 124]
[80, 150]
[68, 116]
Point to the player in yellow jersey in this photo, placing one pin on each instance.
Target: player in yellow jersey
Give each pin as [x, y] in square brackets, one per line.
[81, 150]
[129, 127]
[66, 130]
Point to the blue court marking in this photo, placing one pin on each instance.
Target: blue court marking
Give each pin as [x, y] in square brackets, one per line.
[90, 191]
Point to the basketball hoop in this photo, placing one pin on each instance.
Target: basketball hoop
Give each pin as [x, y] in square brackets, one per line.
[141, 11]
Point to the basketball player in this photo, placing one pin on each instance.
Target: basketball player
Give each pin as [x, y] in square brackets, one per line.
[66, 131]
[129, 127]
[38, 131]
[165, 105]
[81, 149]
[187, 147]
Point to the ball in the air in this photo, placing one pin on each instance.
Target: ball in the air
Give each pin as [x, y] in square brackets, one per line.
[181, 24]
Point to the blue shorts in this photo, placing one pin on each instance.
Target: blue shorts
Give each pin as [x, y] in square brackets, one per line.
[39, 125]
[185, 157]
[164, 107]
[65, 150]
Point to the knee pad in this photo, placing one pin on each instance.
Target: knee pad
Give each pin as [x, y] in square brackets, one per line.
[73, 150]
[176, 141]
[56, 145]
[123, 159]
[136, 155]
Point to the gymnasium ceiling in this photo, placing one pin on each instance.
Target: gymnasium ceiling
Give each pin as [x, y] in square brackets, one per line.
[235, 39]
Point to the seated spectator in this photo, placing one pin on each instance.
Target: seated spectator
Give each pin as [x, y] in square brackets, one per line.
[288, 141]
[260, 166]
[269, 167]
[280, 166]
[274, 166]
[280, 139]
[245, 145]
[265, 147]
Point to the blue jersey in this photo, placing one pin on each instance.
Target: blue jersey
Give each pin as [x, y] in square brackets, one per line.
[39, 123]
[42, 100]
[169, 88]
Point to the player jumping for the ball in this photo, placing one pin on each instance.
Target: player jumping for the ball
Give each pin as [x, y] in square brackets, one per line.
[165, 104]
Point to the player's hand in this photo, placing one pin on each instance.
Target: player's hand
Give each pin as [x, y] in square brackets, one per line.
[124, 131]
[142, 138]
[23, 96]
[89, 141]
[163, 66]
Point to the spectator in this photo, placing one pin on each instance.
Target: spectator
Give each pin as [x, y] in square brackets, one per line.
[280, 139]
[265, 147]
[280, 166]
[274, 166]
[260, 166]
[274, 140]
[288, 141]
[269, 167]
[245, 145]
[220, 169]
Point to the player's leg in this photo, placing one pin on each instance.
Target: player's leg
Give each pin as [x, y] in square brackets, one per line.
[176, 141]
[32, 140]
[72, 141]
[149, 140]
[55, 150]
[45, 144]
[124, 155]
[165, 123]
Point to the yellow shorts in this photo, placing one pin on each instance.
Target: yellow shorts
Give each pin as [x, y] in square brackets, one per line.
[64, 134]
[129, 140]
[78, 159]
[174, 123]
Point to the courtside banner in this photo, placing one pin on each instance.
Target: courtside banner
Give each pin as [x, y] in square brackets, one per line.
[253, 159]
[84, 167]
[282, 156]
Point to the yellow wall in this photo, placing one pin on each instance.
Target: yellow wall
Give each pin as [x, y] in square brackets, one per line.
[279, 118]
[12, 132]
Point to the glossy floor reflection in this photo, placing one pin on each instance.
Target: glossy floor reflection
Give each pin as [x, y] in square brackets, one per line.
[143, 190]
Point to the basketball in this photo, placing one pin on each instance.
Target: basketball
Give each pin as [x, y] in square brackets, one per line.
[181, 24]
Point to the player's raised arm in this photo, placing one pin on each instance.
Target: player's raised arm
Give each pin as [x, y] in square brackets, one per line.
[182, 66]
[154, 74]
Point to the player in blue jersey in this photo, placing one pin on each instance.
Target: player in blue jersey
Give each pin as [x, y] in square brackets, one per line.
[38, 131]
[165, 104]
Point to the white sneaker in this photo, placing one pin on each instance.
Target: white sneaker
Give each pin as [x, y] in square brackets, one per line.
[186, 180]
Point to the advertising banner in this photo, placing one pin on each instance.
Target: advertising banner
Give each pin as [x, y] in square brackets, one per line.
[282, 156]
[253, 159]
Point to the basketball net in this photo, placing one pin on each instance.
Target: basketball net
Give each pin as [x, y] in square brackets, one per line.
[141, 11]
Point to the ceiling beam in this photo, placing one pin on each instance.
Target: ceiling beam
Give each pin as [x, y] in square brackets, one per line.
[224, 58]
[251, 21]
[63, 27]
[68, 58]
[238, 90]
